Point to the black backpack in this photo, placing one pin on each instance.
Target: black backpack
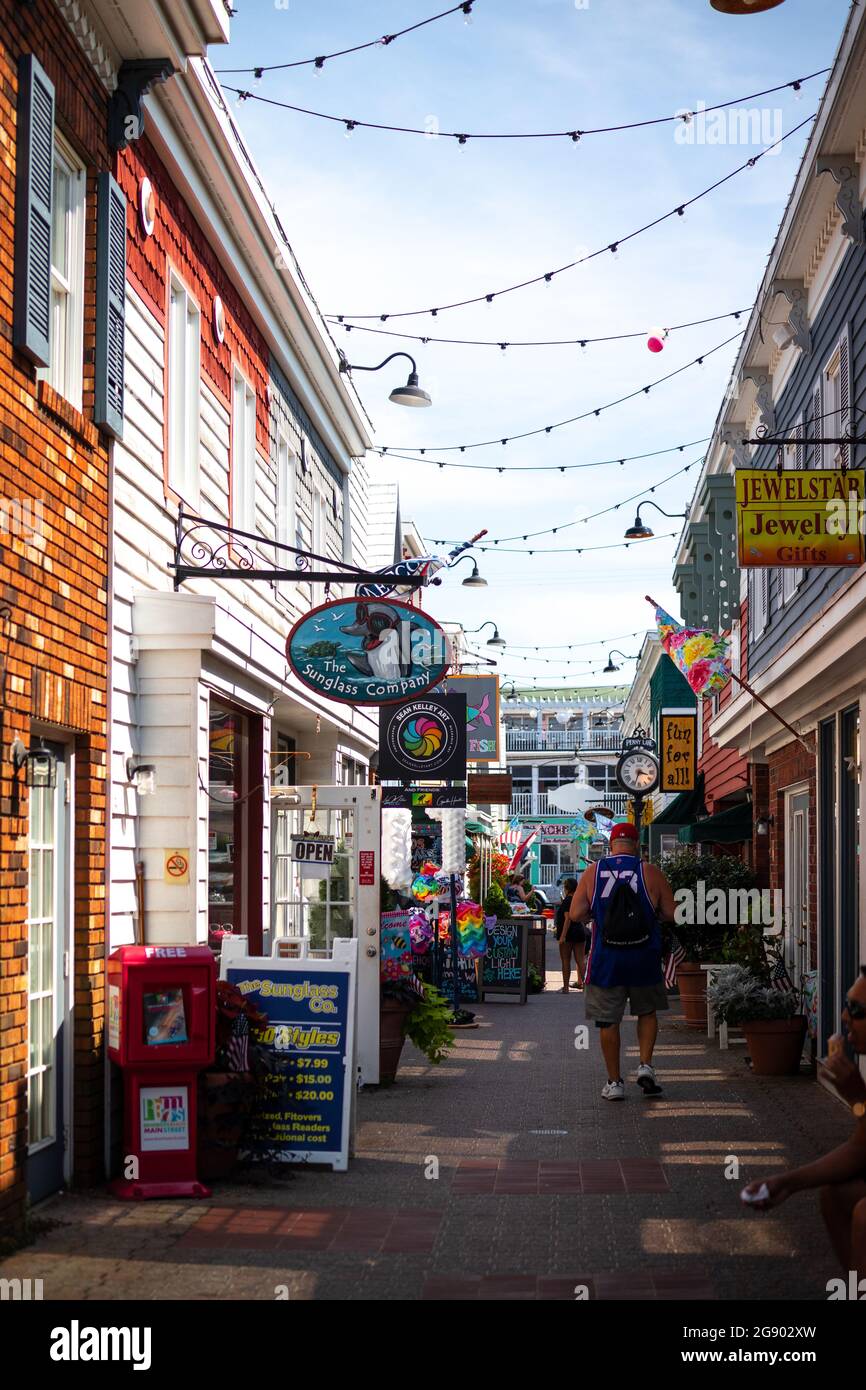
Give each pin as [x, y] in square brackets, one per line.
[625, 922]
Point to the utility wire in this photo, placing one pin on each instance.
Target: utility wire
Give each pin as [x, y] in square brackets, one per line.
[545, 467]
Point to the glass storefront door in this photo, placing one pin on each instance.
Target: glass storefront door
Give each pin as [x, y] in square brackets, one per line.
[235, 870]
[48, 917]
[319, 909]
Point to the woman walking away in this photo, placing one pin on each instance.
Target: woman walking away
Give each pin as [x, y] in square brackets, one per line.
[571, 937]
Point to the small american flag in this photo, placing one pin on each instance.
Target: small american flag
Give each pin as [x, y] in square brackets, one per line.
[522, 846]
[510, 838]
[676, 954]
[779, 977]
[238, 1050]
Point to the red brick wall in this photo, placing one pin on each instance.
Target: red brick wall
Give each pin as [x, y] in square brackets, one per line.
[55, 643]
[785, 768]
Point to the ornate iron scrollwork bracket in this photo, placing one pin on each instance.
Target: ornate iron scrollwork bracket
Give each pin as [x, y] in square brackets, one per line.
[212, 549]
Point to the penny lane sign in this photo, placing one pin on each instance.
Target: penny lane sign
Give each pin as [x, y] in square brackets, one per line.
[365, 652]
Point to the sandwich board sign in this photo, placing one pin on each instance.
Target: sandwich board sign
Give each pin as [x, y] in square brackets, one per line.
[303, 1106]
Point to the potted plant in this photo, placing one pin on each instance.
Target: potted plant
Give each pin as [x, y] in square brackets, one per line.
[705, 943]
[415, 1009]
[771, 1019]
[227, 1089]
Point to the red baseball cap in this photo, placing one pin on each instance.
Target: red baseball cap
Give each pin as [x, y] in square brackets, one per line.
[624, 831]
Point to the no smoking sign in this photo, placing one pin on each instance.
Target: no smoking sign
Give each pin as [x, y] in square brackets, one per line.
[176, 866]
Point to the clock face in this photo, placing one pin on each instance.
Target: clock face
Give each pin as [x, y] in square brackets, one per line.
[639, 772]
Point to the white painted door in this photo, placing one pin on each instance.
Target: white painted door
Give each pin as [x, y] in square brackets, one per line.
[797, 945]
[346, 904]
[48, 918]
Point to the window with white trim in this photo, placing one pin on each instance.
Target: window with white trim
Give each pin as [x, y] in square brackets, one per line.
[759, 601]
[66, 372]
[836, 384]
[288, 526]
[243, 455]
[184, 392]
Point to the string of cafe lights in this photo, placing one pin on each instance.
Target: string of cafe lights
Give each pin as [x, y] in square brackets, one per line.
[353, 123]
[581, 520]
[560, 424]
[581, 549]
[612, 248]
[549, 467]
[574, 646]
[529, 343]
[383, 41]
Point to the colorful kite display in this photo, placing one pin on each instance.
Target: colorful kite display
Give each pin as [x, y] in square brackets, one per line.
[700, 655]
[471, 931]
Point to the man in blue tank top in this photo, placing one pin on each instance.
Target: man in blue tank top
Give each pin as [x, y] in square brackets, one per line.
[627, 901]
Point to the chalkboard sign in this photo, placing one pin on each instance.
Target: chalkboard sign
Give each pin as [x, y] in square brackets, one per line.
[505, 964]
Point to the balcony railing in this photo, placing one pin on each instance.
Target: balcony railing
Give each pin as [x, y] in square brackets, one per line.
[525, 804]
[563, 740]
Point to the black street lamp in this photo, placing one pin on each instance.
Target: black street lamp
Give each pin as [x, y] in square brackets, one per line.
[473, 580]
[410, 394]
[498, 643]
[640, 531]
[610, 656]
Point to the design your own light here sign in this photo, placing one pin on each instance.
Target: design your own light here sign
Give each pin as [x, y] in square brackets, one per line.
[800, 517]
[313, 854]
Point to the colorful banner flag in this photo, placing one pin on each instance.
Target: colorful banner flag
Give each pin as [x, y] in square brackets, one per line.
[701, 655]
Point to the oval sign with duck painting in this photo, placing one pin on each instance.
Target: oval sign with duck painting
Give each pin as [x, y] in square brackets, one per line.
[368, 651]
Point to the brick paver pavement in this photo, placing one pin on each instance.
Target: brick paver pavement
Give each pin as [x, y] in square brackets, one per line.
[544, 1190]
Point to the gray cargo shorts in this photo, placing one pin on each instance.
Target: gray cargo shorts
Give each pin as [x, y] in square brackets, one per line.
[608, 1005]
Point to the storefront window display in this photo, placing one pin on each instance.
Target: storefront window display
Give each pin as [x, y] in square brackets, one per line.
[234, 824]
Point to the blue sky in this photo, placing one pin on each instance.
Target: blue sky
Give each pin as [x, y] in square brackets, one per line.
[384, 222]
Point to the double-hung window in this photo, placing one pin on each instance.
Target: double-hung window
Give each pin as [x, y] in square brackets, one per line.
[836, 386]
[288, 528]
[759, 601]
[65, 373]
[184, 402]
[243, 455]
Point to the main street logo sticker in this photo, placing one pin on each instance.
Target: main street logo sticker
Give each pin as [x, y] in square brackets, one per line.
[164, 1118]
[363, 652]
[424, 739]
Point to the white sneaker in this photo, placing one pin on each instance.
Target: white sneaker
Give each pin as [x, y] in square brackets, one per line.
[646, 1079]
[614, 1090]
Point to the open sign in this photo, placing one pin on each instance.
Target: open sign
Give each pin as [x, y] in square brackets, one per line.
[313, 854]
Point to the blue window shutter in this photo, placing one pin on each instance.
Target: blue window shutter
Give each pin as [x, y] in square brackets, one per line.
[33, 197]
[110, 306]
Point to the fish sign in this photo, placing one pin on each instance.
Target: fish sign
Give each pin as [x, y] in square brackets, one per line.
[363, 652]
[482, 715]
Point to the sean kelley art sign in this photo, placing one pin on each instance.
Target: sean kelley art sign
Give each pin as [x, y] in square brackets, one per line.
[799, 517]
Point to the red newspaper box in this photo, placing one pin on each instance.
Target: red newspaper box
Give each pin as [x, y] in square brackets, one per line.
[161, 1022]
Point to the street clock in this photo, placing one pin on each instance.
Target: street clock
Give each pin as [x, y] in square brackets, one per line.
[638, 772]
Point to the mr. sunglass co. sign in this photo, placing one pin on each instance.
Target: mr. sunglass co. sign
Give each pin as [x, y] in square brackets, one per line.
[363, 652]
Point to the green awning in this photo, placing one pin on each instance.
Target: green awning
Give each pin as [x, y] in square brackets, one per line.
[684, 808]
[728, 827]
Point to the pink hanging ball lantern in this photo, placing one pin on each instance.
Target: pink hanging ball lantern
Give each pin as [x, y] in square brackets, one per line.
[656, 339]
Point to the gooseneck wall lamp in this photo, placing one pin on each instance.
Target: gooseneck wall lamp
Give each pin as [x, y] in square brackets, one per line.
[410, 394]
[610, 656]
[498, 643]
[640, 531]
[473, 580]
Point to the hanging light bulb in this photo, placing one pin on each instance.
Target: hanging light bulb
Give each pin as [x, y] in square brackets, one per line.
[347, 133]
[656, 339]
[258, 73]
[467, 12]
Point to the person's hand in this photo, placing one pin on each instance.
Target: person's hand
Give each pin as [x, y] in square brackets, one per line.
[845, 1076]
[778, 1191]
